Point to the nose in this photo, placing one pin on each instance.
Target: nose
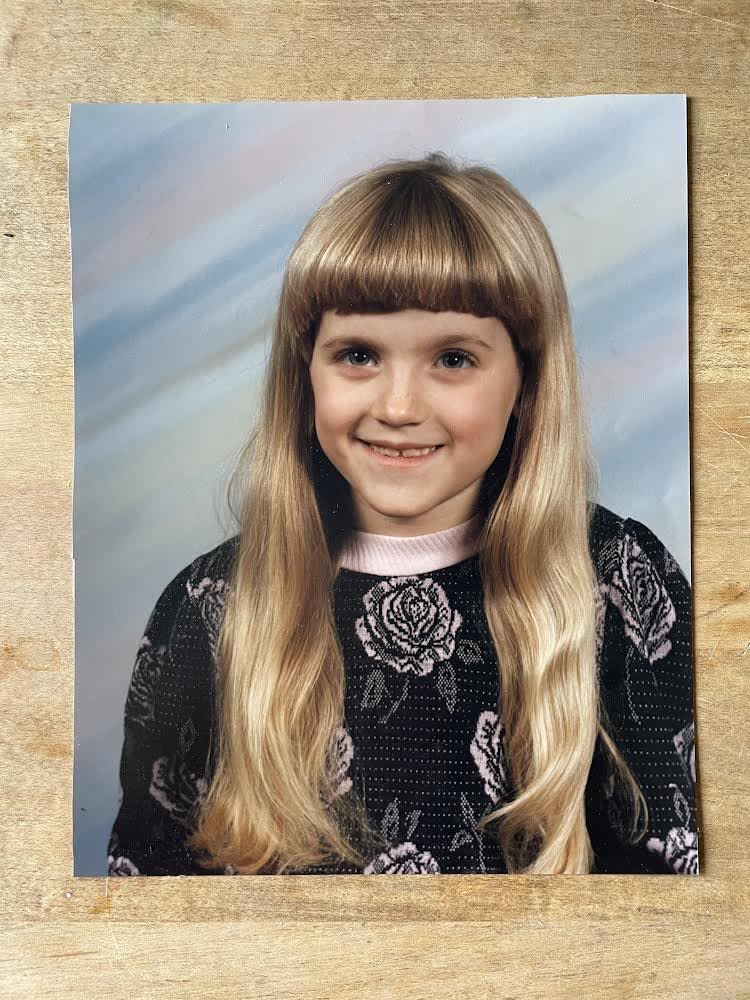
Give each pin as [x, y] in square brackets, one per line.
[399, 400]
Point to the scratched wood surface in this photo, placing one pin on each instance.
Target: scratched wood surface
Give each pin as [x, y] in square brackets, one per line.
[282, 937]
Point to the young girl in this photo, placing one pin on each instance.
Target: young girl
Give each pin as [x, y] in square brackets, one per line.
[446, 658]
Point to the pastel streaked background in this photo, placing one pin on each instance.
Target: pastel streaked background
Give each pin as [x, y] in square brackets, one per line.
[182, 217]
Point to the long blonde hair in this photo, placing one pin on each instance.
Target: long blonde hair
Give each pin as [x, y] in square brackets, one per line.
[431, 235]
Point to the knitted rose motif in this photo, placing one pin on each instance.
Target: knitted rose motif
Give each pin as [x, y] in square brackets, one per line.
[684, 743]
[403, 859]
[343, 753]
[118, 864]
[210, 596]
[643, 601]
[408, 624]
[139, 707]
[176, 788]
[487, 751]
[670, 563]
[121, 866]
[600, 605]
[679, 849]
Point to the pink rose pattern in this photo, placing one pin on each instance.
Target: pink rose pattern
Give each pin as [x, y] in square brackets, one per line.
[679, 849]
[210, 596]
[121, 866]
[403, 858]
[684, 743]
[600, 608]
[487, 750]
[118, 864]
[639, 594]
[146, 673]
[408, 624]
[176, 788]
[344, 752]
[409, 627]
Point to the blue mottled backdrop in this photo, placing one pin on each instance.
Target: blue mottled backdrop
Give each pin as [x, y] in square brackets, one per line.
[182, 218]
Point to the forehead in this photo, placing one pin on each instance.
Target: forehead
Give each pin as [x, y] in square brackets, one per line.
[416, 322]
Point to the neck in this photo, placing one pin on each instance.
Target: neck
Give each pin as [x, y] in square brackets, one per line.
[394, 555]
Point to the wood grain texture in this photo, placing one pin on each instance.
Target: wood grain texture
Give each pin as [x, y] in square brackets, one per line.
[283, 937]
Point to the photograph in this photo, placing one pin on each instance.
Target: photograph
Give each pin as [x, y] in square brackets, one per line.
[381, 506]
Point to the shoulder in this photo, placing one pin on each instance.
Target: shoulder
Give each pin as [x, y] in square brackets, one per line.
[179, 644]
[207, 584]
[642, 582]
[203, 570]
[195, 596]
[621, 543]
[216, 563]
[211, 570]
[605, 529]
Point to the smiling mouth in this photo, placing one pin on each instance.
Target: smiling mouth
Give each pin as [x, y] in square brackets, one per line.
[403, 452]
[408, 456]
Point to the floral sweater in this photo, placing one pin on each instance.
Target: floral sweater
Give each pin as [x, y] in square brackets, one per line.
[422, 741]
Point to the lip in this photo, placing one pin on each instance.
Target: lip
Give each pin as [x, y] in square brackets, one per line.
[401, 462]
[400, 446]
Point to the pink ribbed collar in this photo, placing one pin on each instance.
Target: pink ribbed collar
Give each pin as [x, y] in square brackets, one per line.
[391, 555]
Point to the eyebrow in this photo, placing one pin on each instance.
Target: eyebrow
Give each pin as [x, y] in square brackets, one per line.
[443, 341]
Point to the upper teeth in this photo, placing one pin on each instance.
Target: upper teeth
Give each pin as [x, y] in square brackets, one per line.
[407, 452]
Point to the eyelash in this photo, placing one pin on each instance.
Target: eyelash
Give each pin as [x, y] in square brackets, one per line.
[338, 358]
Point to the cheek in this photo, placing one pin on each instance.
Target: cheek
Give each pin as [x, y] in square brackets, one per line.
[472, 415]
[335, 411]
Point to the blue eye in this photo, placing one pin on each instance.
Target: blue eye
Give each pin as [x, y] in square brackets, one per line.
[463, 355]
[345, 354]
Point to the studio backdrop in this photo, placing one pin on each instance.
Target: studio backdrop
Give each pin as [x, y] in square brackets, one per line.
[182, 217]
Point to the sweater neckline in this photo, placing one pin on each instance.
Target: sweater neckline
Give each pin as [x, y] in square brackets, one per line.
[394, 555]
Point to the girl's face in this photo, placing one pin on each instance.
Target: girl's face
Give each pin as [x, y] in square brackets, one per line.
[413, 378]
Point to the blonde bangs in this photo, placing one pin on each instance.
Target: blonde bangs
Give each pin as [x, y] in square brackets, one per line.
[402, 239]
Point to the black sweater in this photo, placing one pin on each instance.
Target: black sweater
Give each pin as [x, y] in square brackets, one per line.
[422, 741]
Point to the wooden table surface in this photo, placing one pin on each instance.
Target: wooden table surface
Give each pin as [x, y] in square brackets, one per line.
[282, 937]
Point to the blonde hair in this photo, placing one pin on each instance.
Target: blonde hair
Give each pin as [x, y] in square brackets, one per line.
[431, 235]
